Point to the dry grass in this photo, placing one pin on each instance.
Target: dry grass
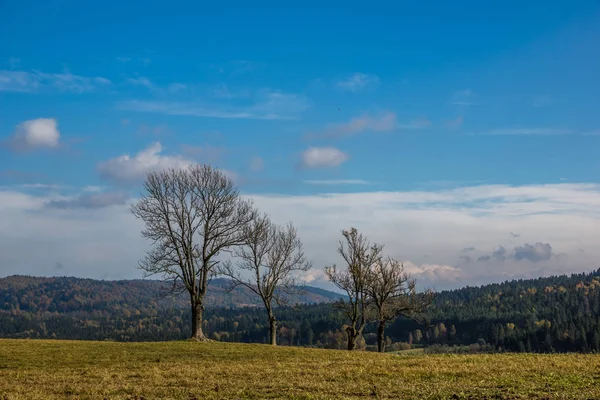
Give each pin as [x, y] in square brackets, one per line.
[40, 369]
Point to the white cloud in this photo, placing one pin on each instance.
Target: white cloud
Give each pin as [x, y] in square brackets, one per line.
[126, 169]
[426, 229]
[427, 275]
[358, 81]
[35, 134]
[111, 249]
[432, 227]
[132, 169]
[320, 157]
[23, 81]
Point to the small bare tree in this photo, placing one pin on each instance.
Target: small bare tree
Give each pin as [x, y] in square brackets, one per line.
[393, 293]
[359, 255]
[270, 256]
[191, 215]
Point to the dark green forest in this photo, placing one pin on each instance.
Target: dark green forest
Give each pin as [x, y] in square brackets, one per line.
[555, 314]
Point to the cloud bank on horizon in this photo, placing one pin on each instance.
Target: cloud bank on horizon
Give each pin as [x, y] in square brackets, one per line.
[447, 238]
[472, 158]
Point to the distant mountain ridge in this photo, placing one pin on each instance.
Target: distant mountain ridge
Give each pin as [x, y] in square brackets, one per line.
[67, 295]
[557, 313]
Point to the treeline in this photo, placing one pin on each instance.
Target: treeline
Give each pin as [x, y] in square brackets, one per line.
[82, 297]
[555, 314]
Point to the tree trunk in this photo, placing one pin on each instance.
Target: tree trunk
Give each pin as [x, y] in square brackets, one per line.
[197, 311]
[351, 338]
[273, 327]
[381, 337]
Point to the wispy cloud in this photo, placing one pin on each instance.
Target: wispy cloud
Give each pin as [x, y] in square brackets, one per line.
[176, 87]
[51, 186]
[455, 123]
[171, 88]
[90, 200]
[141, 81]
[31, 82]
[336, 182]
[13, 62]
[13, 175]
[591, 133]
[385, 121]
[419, 123]
[357, 82]
[267, 105]
[236, 67]
[225, 92]
[382, 122]
[256, 164]
[525, 131]
[142, 60]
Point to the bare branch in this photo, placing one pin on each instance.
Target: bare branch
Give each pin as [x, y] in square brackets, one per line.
[359, 254]
[190, 216]
[394, 293]
[270, 256]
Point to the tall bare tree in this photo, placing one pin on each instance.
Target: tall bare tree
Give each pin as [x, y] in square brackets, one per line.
[268, 261]
[393, 293]
[359, 254]
[191, 215]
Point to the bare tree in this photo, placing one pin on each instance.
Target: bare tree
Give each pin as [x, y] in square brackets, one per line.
[270, 256]
[393, 293]
[359, 255]
[191, 215]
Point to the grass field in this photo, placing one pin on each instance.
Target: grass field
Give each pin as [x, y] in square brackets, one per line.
[39, 369]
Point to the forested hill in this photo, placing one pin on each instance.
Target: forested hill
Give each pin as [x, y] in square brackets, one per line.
[546, 314]
[74, 295]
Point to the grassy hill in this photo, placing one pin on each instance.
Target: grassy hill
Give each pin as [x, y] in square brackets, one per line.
[42, 369]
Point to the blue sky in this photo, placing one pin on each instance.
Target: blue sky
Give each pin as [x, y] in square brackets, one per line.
[401, 98]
